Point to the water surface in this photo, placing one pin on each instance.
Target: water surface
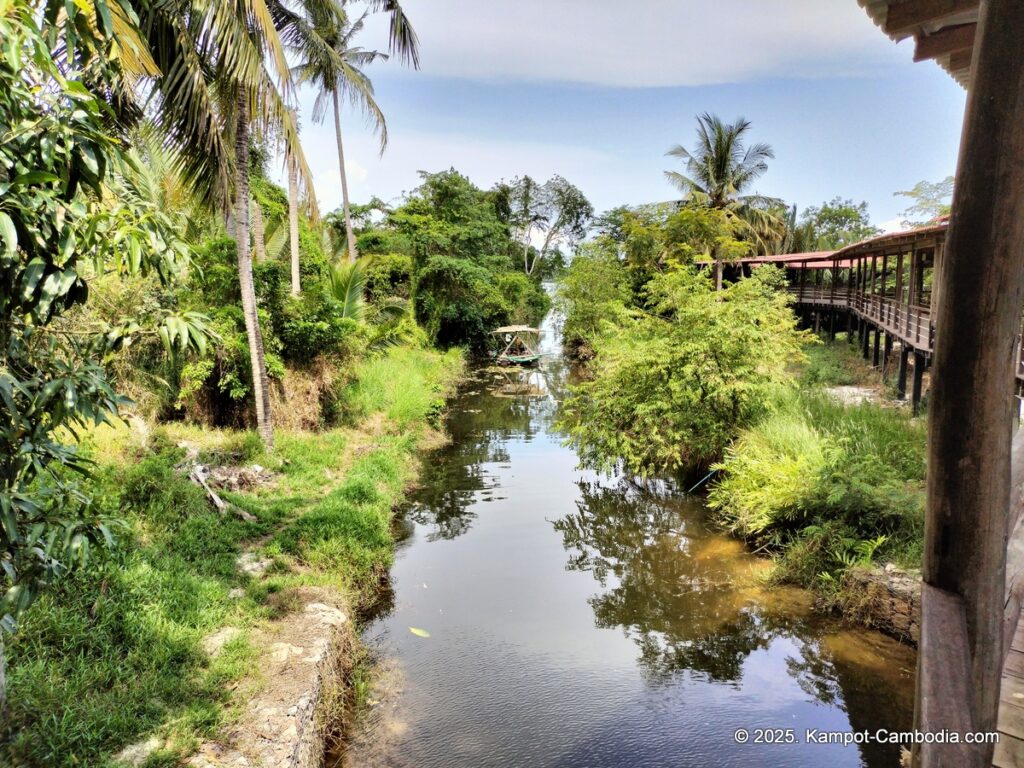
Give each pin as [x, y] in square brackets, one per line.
[591, 621]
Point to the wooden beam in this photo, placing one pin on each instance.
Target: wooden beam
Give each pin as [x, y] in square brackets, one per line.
[977, 322]
[948, 40]
[961, 60]
[943, 677]
[912, 14]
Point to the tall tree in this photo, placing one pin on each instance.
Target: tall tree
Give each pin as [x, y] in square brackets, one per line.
[719, 170]
[209, 74]
[334, 64]
[557, 209]
[293, 229]
[836, 224]
[929, 201]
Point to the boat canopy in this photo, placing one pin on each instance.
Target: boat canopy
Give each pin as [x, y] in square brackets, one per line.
[516, 329]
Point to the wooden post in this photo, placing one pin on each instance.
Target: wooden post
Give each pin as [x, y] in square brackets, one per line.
[876, 355]
[915, 393]
[865, 339]
[901, 376]
[887, 350]
[979, 308]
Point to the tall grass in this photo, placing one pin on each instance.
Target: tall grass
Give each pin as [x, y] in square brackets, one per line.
[825, 485]
[114, 653]
[405, 385]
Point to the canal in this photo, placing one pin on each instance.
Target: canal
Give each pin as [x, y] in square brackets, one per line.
[541, 615]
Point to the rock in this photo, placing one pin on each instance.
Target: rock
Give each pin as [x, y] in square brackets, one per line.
[887, 599]
[136, 754]
[253, 564]
[237, 593]
[213, 644]
[326, 614]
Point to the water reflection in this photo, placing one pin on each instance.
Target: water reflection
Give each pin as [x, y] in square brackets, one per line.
[579, 620]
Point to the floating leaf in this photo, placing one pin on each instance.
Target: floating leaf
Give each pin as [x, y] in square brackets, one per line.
[419, 632]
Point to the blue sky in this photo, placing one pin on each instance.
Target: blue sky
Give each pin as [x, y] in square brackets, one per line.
[598, 90]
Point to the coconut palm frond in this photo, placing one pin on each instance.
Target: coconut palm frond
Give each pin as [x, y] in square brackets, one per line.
[347, 285]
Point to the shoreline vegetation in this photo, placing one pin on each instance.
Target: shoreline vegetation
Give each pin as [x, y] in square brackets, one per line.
[690, 378]
[121, 651]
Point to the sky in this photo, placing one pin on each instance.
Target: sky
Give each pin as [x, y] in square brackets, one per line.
[598, 90]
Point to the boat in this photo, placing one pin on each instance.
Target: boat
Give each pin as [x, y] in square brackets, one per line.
[518, 345]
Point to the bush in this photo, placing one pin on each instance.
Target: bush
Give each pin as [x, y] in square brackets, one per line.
[826, 485]
[313, 325]
[593, 290]
[672, 387]
[388, 275]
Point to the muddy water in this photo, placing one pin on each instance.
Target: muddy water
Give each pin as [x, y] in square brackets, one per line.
[588, 622]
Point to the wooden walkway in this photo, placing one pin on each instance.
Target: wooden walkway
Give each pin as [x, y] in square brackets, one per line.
[1010, 750]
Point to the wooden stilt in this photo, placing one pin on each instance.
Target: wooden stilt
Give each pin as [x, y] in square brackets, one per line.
[877, 352]
[901, 376]
[915, 397]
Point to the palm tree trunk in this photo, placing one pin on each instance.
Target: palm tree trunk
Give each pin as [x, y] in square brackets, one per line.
[260, 382]
[718, 275]
[3, 679]
[258, 233]
[349, 235]
[293, 227]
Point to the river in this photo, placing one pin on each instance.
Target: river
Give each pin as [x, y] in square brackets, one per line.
[586, 621]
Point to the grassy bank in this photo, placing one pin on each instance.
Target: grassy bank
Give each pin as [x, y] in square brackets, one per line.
[824, 484]
[114, 653]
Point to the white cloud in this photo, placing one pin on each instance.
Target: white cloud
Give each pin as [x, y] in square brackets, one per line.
[645, 43]
[484, 160]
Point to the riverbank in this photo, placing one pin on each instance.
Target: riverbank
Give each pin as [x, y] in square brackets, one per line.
[174, 643]
[831, 484]
[542, 613]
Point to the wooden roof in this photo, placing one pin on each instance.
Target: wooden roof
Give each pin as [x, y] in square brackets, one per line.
[943, 30]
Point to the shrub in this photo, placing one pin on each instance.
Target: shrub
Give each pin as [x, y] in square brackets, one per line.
[388, 275]
[826, 485]
[313, 325]
[672, 387]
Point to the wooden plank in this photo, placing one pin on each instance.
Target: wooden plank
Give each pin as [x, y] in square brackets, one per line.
[912, 14]
[1009, 753]
[978, 317]
[945, 41]
[961, 60]
[943, 680]
[1011, 720]
[1014, 664]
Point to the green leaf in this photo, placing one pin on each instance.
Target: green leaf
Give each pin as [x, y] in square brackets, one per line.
[36, 177]
[9, 234]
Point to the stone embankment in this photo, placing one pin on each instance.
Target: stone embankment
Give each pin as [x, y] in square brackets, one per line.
[887, 599]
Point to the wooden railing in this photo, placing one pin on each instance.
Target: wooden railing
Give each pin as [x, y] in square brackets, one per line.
[911, 324]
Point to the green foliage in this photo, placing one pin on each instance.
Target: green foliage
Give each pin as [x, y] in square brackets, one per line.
[314, 324]
[448, 247]
[929, 200]
[836, 224]
[387, 276]
[594, 290]
[58, 224]
[406, 385]
[826, 485]
[670, 388]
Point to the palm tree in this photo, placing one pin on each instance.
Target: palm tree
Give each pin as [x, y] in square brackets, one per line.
[218, 73]
[335, 66]
[719, 170]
